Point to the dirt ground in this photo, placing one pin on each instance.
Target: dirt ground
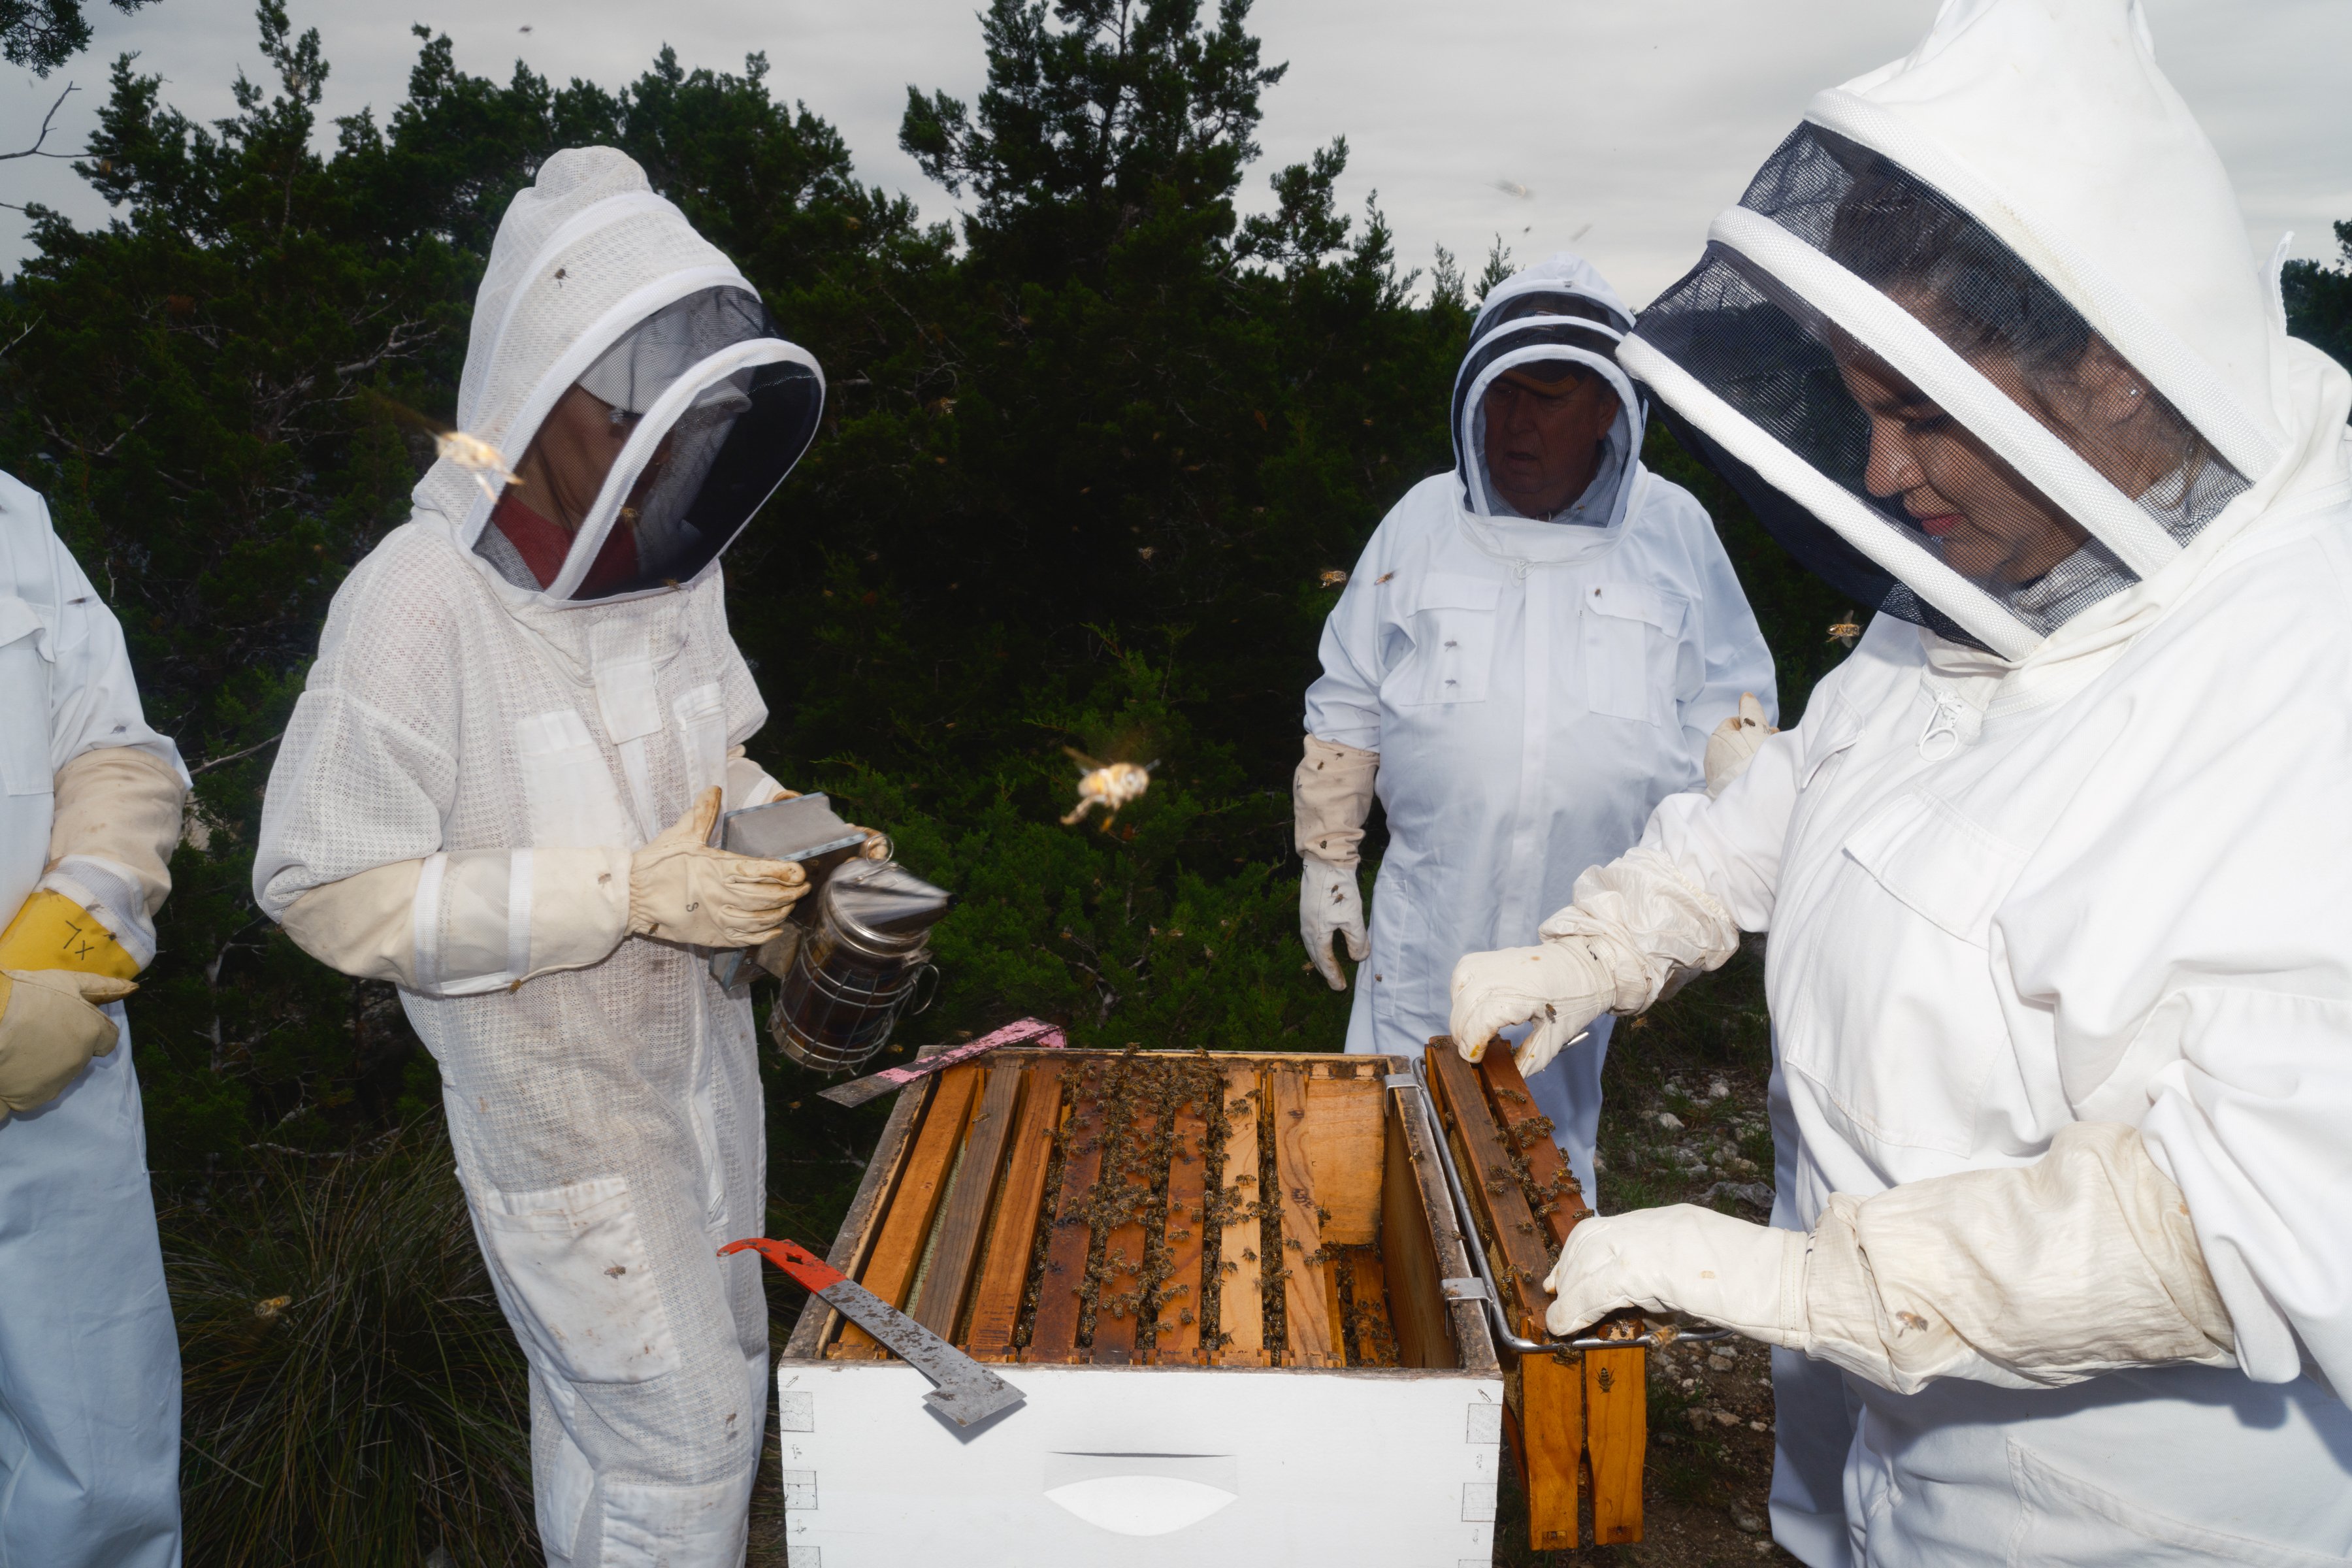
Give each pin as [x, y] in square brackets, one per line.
[1686, 1123]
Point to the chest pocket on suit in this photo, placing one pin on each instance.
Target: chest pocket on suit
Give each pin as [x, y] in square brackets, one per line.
[24, 701]
[1452, 622]
[1631, 637]
[1943, 867]
[568, 785]
[1907, 1024]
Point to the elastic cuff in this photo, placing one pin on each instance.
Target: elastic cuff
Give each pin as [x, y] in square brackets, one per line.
[1795, 1252]
[749, 784]
[1840, 1299]
[1331, 794]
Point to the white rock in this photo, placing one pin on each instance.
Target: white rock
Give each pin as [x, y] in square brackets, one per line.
[1670, 1121]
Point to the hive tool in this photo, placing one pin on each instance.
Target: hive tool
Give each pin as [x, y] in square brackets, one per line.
[968, 1393]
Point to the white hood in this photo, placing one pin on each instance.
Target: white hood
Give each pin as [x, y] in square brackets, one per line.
[593, 278]
[2044, 131]
[1561, 309]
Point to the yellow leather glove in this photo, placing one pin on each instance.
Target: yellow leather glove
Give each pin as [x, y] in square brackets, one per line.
[52, 932]
[49, 1029]
[683, 891]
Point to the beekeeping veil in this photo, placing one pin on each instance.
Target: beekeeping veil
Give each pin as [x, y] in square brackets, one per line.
[595, 281]
[1551, 321]
[2017, 223]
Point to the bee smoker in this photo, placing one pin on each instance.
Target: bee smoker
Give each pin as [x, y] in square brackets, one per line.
[857, 965]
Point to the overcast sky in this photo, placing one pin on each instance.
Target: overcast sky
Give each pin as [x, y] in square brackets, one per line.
[1626, 123]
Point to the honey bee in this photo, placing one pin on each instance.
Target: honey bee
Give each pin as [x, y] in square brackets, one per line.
[477, 457]
[1846, 632]
[1107, 785]
[1335, 579]
[485, 462]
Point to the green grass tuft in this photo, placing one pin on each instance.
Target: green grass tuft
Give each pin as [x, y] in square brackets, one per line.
[354, 1396]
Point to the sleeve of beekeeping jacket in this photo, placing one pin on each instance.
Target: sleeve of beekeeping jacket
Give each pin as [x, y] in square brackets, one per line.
[1705, 869]
[1729, 649]
[1360, 642]
[2214, 1012]
[351, 859]
[117, 787]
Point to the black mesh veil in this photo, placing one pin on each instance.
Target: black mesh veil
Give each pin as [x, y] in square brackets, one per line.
[1559, 303]
[1549, 335]
[1523, 344]
[1824, 551]
[713, 409]
[1900, 398]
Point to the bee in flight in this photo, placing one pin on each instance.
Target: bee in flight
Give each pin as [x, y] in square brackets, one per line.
[1107, 785]
[471, 453]
[1847, 632]
[1335, 579]
[477, 457]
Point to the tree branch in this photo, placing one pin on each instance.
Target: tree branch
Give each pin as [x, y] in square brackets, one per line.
[34, 149]
[233, 756]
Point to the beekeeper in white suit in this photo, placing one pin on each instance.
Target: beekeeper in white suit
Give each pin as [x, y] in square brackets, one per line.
[1533, 652]
[90, 813]
[2053, 865]
[497, 790]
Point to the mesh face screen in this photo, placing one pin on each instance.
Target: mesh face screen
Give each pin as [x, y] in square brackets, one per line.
[726, 458]
[1819, 391]
[1524, 346]
[1514, 342]
[1549, 302]
[722, 455]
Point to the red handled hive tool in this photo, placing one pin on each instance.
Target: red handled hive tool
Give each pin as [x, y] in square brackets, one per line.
[967, 1392]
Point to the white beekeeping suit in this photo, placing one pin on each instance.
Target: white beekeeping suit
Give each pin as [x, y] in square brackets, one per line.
[90, 813]
[2061, 964]
[471, 801]
[1520, 693]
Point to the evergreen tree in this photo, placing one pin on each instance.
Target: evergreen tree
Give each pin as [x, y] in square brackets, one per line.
[45, 33]
[2319, 299]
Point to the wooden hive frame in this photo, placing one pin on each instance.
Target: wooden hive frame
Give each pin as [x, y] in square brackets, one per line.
[1166, 1208]
[1569, 1411]
[1079, 1208]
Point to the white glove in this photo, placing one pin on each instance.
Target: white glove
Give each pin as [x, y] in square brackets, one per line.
[1734, 743]
[1739, 1276]
[1559, 985]
[683, 891]
[2082, 1263]
[1330, 905]
[51, 1027]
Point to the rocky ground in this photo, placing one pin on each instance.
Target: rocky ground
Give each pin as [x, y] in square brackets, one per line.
[1686, 1123]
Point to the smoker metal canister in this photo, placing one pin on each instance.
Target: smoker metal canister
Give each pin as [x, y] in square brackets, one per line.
[857, 966]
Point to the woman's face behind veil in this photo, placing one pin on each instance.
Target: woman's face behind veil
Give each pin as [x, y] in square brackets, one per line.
[1994, 526]
[1989, 524]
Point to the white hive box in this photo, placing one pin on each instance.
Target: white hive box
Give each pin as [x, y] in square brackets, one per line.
[1089, 1223]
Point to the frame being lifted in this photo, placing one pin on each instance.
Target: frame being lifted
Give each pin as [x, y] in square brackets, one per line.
[1569, 1410]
